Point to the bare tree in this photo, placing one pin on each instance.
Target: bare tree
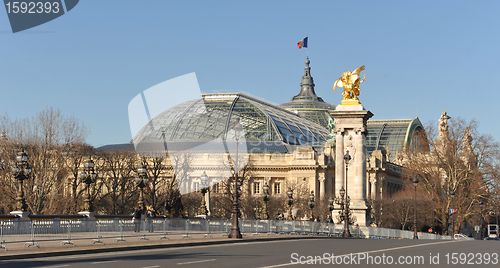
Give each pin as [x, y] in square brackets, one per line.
[243, 177]
[301, 194]
[7, 181]
[74, 155]
[181, 164]
[161, 187]
[398, 211]
[461, 162]
[43, 136]
[120, 192]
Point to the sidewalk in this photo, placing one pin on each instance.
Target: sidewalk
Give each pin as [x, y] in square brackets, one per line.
[23, 250]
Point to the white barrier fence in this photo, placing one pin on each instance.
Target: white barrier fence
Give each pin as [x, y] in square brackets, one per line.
[67, 230]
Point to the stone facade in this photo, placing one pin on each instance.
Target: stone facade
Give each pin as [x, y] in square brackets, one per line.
[308, 169]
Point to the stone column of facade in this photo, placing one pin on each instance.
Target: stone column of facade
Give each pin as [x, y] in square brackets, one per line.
[351, 119]
[373, 186]
[321, 187]
[358, 168]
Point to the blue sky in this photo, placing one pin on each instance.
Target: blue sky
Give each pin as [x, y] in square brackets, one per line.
[421, 56]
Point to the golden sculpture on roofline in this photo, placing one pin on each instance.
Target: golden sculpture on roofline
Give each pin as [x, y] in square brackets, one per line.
[350, 82]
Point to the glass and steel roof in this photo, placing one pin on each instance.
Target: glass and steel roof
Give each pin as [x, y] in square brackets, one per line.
[318, 116]
[202, 124]
[266, 127]
[394, 135]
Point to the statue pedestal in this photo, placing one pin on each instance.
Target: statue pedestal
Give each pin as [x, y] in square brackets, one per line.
[350, 128]
[350, 102]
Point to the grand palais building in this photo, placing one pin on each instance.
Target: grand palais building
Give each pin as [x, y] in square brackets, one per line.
[287, 146]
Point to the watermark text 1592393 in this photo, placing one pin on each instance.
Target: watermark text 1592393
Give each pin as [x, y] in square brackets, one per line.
[31, 13]
[33, 7]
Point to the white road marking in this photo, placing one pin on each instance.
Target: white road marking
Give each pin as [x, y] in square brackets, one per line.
[372, 251]
[151, 266]
[99, 262]
[166, 249]
[56, 266]
[191, 262]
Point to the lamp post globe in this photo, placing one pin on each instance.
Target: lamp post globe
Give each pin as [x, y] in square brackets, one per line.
[347, 157]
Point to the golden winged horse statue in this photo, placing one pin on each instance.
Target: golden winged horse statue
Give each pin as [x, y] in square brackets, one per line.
[350, 82]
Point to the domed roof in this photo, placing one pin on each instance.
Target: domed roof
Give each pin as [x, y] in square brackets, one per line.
[266, 127]
[307, 104]
[393, 135]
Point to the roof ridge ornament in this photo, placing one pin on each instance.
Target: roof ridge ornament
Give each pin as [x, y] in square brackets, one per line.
[307, 86]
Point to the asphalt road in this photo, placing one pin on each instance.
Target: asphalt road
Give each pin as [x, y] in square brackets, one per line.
[285, 253]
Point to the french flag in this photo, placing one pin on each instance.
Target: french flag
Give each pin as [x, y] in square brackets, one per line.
[302, 43]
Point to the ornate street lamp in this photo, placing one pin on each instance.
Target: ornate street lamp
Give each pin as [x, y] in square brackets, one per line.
[204, 184]
[415, 182]
[433, 216]
[346, 232]
[496, 214]
[265, 196]
[452, 194]
[141, 180]
[21, 172]
[331, 206]
[88, 176]
[290, 203]
[311, 203]
[344, 212]
[493, 212]
[481, 221]
[235, 228]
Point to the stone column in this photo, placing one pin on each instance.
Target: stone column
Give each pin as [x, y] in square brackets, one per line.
[357, 180]
[373, 186]
[321, 187]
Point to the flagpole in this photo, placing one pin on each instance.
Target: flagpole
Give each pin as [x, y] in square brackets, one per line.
[307, 46]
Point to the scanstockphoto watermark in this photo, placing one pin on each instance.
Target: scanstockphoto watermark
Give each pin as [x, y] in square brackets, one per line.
[31, 13]
[364, 258]
[356, 258]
